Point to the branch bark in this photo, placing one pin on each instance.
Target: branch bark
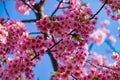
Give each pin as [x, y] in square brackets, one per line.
[30, 20]
[40, 8]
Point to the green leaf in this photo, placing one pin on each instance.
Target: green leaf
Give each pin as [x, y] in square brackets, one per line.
[9, 35]
[77, 38]
[117, 10]
[54, 72]
[95, 78]
[84, 4]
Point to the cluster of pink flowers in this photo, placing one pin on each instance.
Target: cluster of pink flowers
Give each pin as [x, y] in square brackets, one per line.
[100, 35]
[38, 49]
[16, 68]
[63, 36]
[22, 7]
[19, 64]
[112, 6]
[3, 35]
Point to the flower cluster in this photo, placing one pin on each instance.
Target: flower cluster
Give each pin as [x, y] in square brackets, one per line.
[72, 29]
[100, 35]
[112, 6]
[20, 63]
[3, 35]
[64, 38]
[22, 7]
[17, 67]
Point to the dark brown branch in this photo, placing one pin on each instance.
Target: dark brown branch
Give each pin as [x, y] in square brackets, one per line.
[99, 10]
[34, 57]
[71, 32]
[64, 7]
[53, 39]
[98, 65]
[31, 20]
[74, 77]
[56, 8]
[40, 8]
[36, 54]
[55, 44]
[31, 7]
[54, 61]
[64, 2]
[6, 9]
[34, 33]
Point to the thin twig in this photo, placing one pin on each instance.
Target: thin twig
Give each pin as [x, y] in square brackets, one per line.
[110, 45]
[34, 57]
[64, 7]
[56, 8]
[6, 9]
[31, 7]
[71, 32]
[53, 39]
[64, 2]
[34, 33]
[99, 10]
[31, 20]
[40, 8]
[98, 65]
[54, 61]
[74, 77]
[55, 44]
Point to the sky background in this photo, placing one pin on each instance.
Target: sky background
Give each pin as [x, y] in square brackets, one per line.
[44, 67]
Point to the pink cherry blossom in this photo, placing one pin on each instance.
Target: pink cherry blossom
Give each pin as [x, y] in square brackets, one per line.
[100, 35]
[22, 8]
[3, 35]
[115, 56]
[64, 37]
[112, 39]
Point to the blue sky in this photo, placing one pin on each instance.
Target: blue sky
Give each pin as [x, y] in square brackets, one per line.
[44, 68]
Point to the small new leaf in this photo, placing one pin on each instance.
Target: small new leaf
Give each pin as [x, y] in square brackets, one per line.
[117, 10]
[94, 78]
[77, 38]
[9, 35]
[54, 72]
[84, 4]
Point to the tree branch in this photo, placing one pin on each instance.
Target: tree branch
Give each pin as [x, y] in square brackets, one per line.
[30, 20]
[40, 8]
[98, 65]
[54, 61]
[74, 77]
[55, 44]
[31, 7]
[6, 9]
[56, 8]
[64, 2]
[99, 10]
